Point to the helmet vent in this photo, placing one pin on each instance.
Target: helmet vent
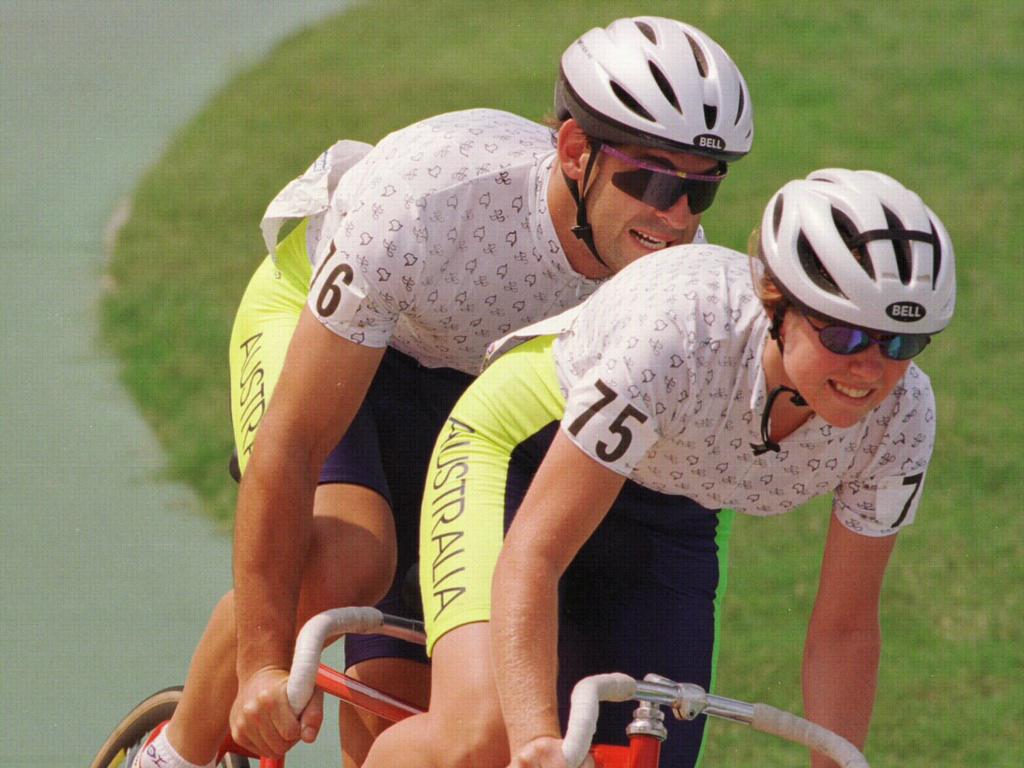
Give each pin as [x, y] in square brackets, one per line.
[936, 255]
[777, 215]
[847, 231]
[901, 247]
[710, 115]
[630, 103]
[813, 267]
[698, 54]
[739, 107]
[647, 31]
[663, 84]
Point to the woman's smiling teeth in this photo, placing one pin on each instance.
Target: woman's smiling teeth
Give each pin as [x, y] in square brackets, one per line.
[851, 391]
[648, 241]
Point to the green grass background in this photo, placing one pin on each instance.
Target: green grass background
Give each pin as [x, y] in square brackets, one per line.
[930, 92]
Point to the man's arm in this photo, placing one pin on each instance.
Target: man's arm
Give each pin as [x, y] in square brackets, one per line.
[322, 385]
[840, 667]
[567, 499]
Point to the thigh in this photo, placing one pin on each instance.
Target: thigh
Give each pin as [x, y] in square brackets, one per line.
[484, 459]
[402, 678]
[352, 552]
[463, 726]
[407, 404]
[411, 404]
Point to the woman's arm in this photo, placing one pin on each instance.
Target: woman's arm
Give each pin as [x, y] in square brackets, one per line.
[840, 667]
[568, 498]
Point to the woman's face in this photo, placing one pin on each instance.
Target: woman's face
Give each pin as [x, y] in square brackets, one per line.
[842, 389]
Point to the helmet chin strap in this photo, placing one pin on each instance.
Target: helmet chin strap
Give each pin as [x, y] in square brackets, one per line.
[583, 229]
[767, 444]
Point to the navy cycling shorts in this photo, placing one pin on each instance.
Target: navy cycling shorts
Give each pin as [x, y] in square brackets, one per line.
[387, 449]
[642, 595]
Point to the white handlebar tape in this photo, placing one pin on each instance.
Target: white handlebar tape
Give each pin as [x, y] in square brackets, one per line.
[309, 647]
[584, 706]
[768, 719]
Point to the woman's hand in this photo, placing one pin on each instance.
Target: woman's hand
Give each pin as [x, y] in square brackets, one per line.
[544, 752]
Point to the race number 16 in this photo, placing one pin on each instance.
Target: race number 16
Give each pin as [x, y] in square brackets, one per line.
[330, 295]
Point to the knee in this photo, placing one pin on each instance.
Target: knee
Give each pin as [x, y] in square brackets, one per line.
[223, 616]
[472, 737]
[466, 742]
[346, 565]
[469, 746]
[225, 607]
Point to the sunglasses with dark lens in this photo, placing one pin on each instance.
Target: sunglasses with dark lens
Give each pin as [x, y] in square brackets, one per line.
[849, 340]
[661, 187]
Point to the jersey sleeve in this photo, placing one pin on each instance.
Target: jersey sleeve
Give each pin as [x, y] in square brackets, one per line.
[336, 296]
[642, 351]
[607, 424]
[372, 258]
[614, 364]
[308, 196]
[881, 493]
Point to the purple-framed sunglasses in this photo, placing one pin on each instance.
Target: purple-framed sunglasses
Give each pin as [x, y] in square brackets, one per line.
[661, 187]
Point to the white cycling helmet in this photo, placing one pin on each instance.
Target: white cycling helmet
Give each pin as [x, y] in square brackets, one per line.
[659, 83]
[859, 247]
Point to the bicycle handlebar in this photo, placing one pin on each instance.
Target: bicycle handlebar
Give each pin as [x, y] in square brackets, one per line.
[687, 702]
[786, 725]
[318, 630]
[583, 710]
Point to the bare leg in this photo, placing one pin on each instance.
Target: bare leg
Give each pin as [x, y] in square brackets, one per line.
[200, 721]
[463, 727]
[403, 678]
[351, 561]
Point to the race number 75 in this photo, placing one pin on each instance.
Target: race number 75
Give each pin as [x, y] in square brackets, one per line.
[612, 432]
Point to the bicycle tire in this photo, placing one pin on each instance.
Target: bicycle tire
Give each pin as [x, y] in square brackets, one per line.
[139, 721]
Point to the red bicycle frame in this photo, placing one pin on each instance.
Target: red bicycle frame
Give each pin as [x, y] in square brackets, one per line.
[644, 750]
[645, 732]
[644, 742]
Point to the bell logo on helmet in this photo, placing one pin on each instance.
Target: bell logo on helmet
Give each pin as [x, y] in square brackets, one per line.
[709, 141]
[905, 311]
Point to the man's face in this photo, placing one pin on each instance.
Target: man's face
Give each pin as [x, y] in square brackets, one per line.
[626, 228]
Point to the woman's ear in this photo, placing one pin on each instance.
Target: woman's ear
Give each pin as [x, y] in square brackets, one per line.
[573, 149]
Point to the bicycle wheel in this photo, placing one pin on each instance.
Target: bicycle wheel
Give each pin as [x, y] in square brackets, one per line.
[135, 727]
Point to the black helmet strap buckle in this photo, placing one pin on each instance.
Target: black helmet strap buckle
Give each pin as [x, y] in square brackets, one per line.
[767, 444]
[775, 333]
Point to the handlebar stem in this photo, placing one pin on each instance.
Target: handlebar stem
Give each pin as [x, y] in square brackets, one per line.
[648, 720]
[689, 701]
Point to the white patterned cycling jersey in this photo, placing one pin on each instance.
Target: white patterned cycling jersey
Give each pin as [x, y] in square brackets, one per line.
[664, 383]
[439, 240]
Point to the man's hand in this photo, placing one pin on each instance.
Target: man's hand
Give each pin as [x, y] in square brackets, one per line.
[262, 720]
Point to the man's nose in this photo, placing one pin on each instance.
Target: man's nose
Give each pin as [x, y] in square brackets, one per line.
[678, 216]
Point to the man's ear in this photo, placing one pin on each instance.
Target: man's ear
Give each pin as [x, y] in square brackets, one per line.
[573, 149]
